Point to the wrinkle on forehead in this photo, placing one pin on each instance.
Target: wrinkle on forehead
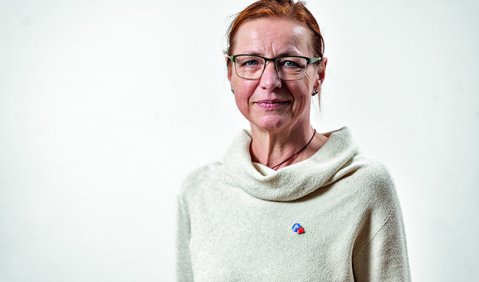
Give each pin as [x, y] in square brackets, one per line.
[273, 37]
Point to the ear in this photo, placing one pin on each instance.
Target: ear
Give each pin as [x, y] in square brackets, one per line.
[321, 72]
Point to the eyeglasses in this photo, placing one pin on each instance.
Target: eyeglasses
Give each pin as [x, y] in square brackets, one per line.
[288, 68]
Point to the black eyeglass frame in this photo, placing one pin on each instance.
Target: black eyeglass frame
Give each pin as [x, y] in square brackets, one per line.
[309, 61]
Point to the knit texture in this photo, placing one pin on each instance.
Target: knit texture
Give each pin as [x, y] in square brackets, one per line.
[235, 219]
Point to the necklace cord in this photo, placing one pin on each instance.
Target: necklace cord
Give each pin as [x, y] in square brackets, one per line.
[297, 153]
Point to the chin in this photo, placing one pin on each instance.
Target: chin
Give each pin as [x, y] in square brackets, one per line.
[270, 123]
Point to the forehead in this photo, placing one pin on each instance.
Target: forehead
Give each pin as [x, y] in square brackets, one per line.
[273, 37]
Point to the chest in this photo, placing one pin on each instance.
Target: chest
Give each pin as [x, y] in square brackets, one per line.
[236, 237]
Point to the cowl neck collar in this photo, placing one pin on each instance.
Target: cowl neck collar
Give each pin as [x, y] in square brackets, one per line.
[330, 163]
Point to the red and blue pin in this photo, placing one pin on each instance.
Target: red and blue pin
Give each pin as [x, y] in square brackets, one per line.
[298, 228]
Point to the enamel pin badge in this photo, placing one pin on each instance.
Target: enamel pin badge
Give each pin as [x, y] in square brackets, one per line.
[298, 228]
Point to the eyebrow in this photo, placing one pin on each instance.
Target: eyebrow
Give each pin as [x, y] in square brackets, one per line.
[288, 53]
[282, 54]
[251, 53]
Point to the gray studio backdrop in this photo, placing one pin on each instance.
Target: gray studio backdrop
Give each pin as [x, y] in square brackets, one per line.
[106, 105]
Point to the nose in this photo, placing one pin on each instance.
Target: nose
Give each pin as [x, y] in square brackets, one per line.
[270, 79]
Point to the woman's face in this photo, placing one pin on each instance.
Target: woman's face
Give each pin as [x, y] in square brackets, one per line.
[270, 103]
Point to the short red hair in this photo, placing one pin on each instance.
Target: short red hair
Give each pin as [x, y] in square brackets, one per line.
[286, 9]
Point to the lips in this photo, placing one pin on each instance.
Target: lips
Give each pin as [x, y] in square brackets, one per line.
[272, 104]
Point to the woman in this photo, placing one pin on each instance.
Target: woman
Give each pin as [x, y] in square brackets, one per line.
[287, 203]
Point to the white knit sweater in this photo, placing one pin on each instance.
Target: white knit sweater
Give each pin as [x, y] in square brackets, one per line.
[235, 219]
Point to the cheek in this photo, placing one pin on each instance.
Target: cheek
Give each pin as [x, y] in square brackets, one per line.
[302, 103]
[241, 98]
[301, 91]
[243, 90]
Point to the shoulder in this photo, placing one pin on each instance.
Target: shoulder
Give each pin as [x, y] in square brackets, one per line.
[197, 177]
[376, 186]
[373, 172]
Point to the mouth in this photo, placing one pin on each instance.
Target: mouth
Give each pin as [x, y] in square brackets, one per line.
[272, 104]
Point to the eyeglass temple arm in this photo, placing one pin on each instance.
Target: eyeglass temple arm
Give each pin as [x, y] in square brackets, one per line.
[229, 57]
[314, 60]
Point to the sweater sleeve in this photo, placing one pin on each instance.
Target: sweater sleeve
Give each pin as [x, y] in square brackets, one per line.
[381, 251]
[183, 262]
[384, 257]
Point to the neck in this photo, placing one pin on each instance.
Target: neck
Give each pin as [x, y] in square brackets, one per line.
[273, 147]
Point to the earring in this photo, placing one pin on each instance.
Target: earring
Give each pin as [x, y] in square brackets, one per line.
[232, 91]
[315, 92]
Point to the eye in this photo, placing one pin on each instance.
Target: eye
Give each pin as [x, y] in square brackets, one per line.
[250, 63]
[292, 63]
